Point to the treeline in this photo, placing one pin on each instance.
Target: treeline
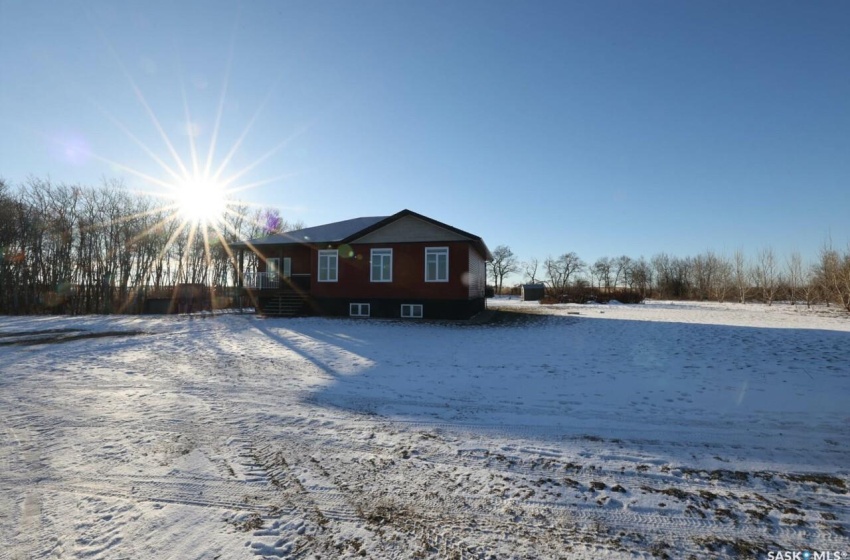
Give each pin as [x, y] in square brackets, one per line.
[708, 276]
[78, 249]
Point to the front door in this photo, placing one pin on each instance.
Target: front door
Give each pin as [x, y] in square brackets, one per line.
[273, 267]
[272, 279]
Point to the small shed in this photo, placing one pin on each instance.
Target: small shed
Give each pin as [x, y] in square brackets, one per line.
[533, 292]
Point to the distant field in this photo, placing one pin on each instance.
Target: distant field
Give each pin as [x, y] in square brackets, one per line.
[603, 431]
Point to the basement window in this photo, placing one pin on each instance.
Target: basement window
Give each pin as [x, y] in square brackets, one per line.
[359, 310]
[411, 310]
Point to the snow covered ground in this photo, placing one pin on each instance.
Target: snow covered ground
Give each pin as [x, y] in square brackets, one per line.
[663, 430]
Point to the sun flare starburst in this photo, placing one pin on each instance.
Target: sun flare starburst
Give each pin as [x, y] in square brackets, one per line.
[201, 200]
[200, 213]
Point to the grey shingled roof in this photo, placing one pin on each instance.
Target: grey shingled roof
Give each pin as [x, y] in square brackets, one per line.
[348, 230]
[327, 233]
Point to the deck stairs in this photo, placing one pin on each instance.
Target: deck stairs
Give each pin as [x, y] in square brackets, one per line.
[286, 304]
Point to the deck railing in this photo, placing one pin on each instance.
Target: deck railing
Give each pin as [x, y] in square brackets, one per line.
[274, 281]
[263, 281]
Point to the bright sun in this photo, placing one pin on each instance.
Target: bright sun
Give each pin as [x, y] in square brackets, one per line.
[201, 201]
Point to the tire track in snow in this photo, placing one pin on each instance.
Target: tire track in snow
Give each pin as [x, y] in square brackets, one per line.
[538, 462]
[180, 490]
[292, 465]
[341, 506]
[653, 436]
[310, 504]
[23, 503]
[329, 497]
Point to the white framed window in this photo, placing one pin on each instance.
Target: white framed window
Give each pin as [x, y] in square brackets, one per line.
[437, 264]
[359, 309]
[328, 265]
[382, 265]
[411, 310]
[287, 267]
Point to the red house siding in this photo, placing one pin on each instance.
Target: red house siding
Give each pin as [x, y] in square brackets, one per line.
[408, 274]
[300, 255]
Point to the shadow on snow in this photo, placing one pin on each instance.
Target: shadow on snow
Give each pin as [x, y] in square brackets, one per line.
[765, 394]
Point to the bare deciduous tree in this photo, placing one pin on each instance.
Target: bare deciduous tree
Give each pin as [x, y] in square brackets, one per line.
[620, 267]
[702, 272]
[809, 285]
[672, 275]
[795, 275]
[72, 249]
[722, 279]
[601, 269]
[640, 277]
[741, 276]
[834, 275]
[504, 263]
[559, 270]
[766, 274]
[711, 276]
[530, 267]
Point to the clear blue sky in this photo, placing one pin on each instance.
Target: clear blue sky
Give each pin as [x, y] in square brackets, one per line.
[600, 127]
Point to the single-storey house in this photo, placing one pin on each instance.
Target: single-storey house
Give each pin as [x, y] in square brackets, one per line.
[406, 265]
